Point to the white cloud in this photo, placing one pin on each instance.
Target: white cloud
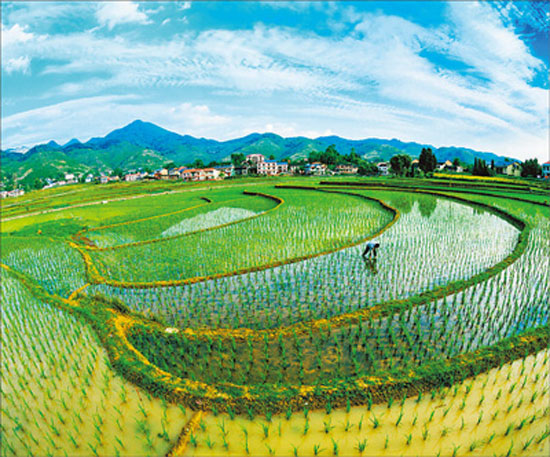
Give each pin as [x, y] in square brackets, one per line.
[374, 81]
[18, 64]
[96, 116]
[111, 14]
[183, 5]
[14, 35]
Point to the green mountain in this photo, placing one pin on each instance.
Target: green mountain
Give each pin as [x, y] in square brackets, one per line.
[146, 145]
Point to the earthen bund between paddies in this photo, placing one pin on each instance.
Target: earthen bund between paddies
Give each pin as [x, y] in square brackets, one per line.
[253, 303]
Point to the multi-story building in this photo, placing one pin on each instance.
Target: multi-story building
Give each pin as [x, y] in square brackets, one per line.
[316, 169]
[267, 167]
[546, 170]
[255, 158]
[282, 167]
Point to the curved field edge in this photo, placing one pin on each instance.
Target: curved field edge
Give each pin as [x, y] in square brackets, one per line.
[78, 236]
[81, 239]
[357, 391]
[112, 321]
[498, 412]
[94, 277]
[60, 394]
[435, 186]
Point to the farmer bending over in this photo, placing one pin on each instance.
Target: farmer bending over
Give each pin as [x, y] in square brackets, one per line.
[371, 249]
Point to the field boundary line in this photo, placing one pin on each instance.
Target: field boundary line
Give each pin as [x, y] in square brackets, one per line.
[75, 292]
[380, 310]
[112, 321]
[181, 235]
[380, 186]
[278, 263]
[148, 218]
[183, 439]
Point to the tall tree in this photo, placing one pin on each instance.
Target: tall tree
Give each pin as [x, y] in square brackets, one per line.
[427, 160]
[400, 164]
[237, 158]
[480, 168]
[531, 167]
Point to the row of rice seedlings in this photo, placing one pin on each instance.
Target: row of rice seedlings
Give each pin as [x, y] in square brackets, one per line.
[505, 305]
[175, 212]
[308, 223]
[416, 254]
[59, 394]
[481, 416]
[51, 263]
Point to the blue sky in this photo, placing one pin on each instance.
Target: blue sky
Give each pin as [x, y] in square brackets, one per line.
[461, 73]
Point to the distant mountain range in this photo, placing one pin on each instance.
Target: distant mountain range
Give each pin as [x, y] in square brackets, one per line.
[146, 145]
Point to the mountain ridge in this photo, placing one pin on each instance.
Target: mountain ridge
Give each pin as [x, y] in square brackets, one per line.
[142, 144]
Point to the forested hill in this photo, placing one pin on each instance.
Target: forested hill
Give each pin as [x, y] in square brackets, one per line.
[146, 145]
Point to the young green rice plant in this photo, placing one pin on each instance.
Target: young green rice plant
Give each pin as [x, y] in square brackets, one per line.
[375, 422]
[335, 446]
[327, 427]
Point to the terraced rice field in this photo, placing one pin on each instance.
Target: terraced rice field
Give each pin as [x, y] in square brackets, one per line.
[243, 320]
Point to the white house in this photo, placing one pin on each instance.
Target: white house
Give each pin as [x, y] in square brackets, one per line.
[16, 193]
[383, 168]
[267, 167]
[316, 169]
[227, 169]
[255, 158]
[211, 173]
[131, 177]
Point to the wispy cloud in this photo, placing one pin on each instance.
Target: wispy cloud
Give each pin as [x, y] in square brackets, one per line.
[19, 64]
[63, 121]
[470, 76]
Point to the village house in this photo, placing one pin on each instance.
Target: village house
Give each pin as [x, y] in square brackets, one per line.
[132, 176]
[282, 167]
[70, 178]
[294, 169]
[13, 193]
[242, 170]
[162, 174]
[442, 166]
[546, 170]
[89, 178]
[509, 168]
[316, 169]
[211, 174]
[267, 167]
[383, 168]
[255, 158]
[228, 170]
[346, 169]
[193, 174]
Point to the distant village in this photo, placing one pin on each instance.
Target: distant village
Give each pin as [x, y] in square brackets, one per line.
[258, 165]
